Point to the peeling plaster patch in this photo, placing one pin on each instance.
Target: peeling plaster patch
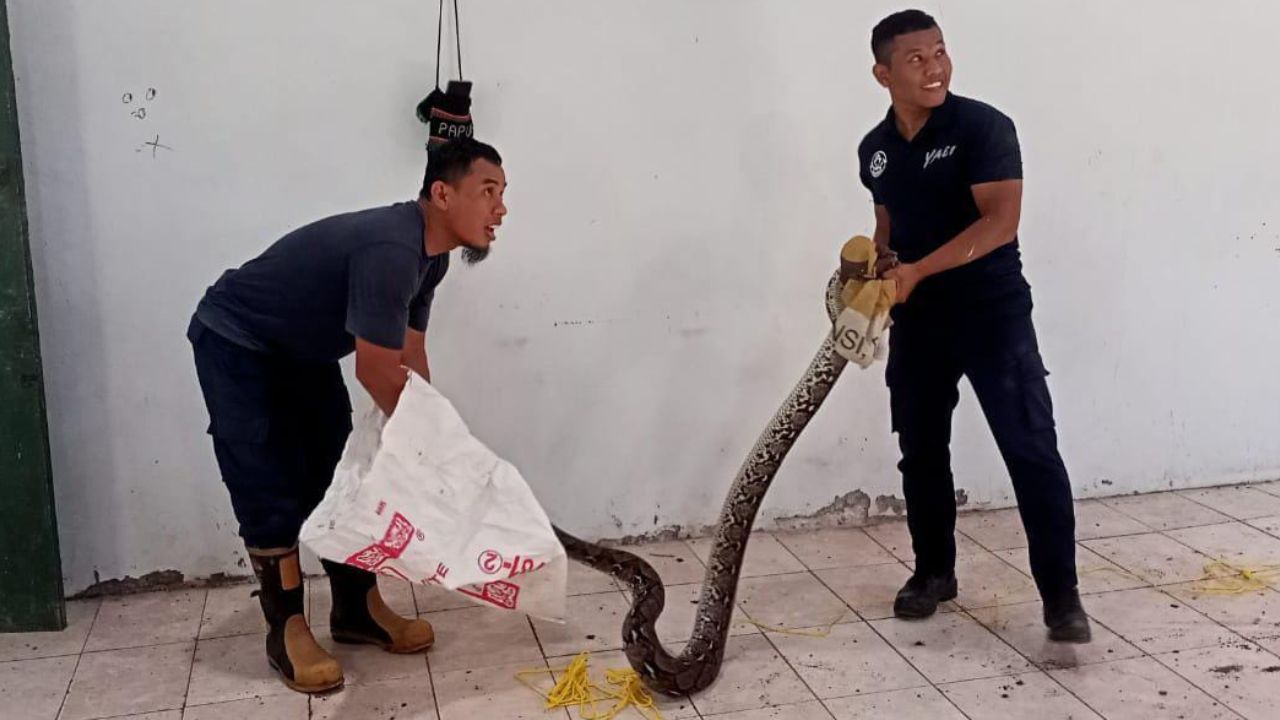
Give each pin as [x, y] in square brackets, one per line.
[128, 585]
[890, 504]
[663, 534]
[157, 581]
[851, 509]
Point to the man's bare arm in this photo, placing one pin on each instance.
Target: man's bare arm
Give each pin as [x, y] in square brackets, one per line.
[414, 355]
[1000, 208]
[885, 258]
[379, 370]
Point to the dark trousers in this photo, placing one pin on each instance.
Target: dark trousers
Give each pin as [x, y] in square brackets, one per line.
[999, 355]
[279, 427]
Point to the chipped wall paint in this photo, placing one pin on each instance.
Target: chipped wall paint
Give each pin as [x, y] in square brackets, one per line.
[890, 504]
[657, 288]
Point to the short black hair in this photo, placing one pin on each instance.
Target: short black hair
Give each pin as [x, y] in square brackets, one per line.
[452, 161]
[899, 23]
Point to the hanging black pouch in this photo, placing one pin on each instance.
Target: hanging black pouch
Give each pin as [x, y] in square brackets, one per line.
[447, 113]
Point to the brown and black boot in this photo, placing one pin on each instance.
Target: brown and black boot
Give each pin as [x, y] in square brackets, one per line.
[361, 616]
[291, 649]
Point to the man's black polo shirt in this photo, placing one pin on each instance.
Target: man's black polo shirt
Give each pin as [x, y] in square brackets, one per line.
[926, 186]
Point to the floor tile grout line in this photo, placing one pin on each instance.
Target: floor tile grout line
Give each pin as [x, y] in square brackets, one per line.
[92, 624]
[1037, 667]
[894, 561]
[799, 677]
[851, 608]
[1079, 544]
[790, 552]
[893, 647]
[977, 542]
[1152, 655]
[997, 636]
[1275, 535]
[858, 528]
[1213, 620]
[1111, 498]
[1233, 521]
[1204, 504]
[1194, 550]
[881, 545]
[1165, 535]
[166, 643]
[1161, 530]
[195, 648]
[431, 678]
[79, 657]
[546, 661]
[861, 618]
[1258, 486]
[541, 650]
[1006, 561]
[1193, 684]
[1148, 656]
[1094, 621]
[133, 716]
[413, 594]
[73, 653]
[1117, 536]
[229, 636]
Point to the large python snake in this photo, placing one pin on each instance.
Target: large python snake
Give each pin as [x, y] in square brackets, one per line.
[698, 665]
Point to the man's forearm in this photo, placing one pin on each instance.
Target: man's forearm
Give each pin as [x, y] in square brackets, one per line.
[414, 355]
[384, 387]
[418, 364]
[881, 239]
[979, 239]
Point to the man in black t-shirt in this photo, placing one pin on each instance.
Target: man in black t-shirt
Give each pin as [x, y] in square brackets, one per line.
[945, 173]
[267, 338]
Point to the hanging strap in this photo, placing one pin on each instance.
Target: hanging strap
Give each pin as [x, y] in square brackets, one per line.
[457, 35]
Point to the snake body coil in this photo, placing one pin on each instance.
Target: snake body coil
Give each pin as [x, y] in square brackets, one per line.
[698, 664]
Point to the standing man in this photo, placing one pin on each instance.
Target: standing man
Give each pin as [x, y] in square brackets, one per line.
[267, 339]
[945, 173]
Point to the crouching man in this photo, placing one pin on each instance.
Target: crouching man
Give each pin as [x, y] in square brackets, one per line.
[267, 339]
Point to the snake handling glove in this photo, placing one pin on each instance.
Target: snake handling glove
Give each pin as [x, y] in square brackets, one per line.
[862, 327]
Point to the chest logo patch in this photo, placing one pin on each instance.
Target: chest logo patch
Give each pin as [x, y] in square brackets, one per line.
[878, 163]
[938, 154]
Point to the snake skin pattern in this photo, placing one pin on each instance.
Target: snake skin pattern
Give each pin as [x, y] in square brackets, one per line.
[698, 665]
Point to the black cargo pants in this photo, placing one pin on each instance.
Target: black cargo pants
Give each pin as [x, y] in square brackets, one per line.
[998, 353]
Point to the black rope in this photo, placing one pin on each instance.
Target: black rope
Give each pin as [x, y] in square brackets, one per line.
[439, 41]
[457, 36]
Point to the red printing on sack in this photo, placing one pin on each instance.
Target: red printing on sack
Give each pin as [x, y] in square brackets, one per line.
[499, 592]
[399, 534]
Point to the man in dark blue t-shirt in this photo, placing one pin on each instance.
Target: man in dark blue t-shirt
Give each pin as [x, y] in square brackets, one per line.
[945, 174]
[267, 339]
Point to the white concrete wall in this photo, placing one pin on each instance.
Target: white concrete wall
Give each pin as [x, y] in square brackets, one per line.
[683, 174]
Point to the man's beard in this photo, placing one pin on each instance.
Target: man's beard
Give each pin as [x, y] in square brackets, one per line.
[473, 255]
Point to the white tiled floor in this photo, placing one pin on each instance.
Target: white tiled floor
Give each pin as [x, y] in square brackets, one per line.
[1167, 643]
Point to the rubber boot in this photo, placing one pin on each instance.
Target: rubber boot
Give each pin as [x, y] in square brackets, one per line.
[291, 649]
[360, 616]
